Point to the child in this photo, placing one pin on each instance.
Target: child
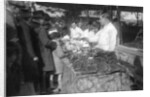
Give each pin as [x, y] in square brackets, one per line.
[57, 54]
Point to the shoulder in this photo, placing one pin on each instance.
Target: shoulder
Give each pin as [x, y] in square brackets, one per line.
[112, 27]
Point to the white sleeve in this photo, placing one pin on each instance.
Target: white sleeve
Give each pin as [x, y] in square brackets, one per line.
[94, 38]
[112, 39]
[85, 34]
[79, 32]
[72, 34]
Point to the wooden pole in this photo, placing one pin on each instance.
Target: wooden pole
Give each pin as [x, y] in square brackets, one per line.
[120, 33]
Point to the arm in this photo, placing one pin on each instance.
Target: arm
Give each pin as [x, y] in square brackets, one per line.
[112, 39]
[44, 40]
[93, 38]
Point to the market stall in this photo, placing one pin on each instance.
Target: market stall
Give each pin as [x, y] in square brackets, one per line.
[93, 70]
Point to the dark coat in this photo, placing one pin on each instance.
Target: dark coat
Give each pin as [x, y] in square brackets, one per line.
[46, 53]
[30, 68]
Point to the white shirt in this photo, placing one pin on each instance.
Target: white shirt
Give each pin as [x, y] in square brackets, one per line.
[91, 34]
[85, 33]
[105, 38]
[76, 32]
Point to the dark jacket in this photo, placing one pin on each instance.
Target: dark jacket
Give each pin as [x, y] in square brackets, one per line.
[30, 67]
[46, 52]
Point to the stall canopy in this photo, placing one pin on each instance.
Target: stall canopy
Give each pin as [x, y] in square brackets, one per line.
[79, 7]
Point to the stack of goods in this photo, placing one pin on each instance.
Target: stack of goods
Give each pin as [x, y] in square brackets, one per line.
[109, 60]
[84, 64]
[102, 63]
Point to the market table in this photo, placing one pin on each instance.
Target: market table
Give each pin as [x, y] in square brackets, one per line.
[102, 79]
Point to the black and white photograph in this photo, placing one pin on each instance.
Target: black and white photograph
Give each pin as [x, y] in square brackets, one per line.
[68, 48]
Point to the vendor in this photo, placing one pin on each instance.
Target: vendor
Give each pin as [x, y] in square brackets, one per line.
[105, 38]
[75, 31]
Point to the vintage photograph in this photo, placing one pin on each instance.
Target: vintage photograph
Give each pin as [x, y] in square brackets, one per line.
[67, 48]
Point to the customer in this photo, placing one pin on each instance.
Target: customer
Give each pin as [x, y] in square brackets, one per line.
[57, 55]
[45, 51]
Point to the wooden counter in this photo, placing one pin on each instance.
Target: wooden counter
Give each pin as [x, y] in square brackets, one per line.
[74, 82]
